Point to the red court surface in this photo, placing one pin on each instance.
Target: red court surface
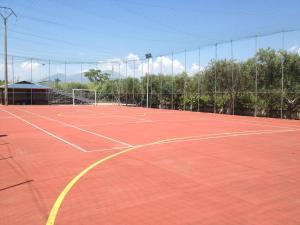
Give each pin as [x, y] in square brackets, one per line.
[124, 165]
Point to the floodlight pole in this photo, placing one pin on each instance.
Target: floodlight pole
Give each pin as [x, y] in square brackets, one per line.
[148, 57]
[5, 17]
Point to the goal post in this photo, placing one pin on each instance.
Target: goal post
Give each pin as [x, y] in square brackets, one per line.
[84, 97]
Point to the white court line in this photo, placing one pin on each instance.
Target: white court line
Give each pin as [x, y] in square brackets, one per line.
[224, 135]
[188, 120]
[208, 136]
[47, 132]
[78, 128]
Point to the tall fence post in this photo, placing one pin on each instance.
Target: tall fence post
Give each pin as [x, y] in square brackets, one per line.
[31, 80]
[282, 77]
[81, 73]
[133, 83]
[184, 82]
[160, 88]
[143, 83]
[215, 80]
[173, 81]
[112, 83]
[198, 80]
[256, 76]
[65, 72]
[13, 77]
[232, 78]
[49, 78]
[119, 83]
[151, 84]
[126, 82]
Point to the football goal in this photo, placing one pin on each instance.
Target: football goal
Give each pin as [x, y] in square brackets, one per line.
[84, 97]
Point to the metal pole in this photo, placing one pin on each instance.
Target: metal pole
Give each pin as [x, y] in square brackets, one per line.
[173, 79]
[73, 95]
[13, 75]
[232, 79]
[282, 76]
[126, 82]
[31, 80]
[49, 74]
[147, 88]
[256, 76]
[215, 83]
[143, 90]
[151, 83]
[184, 82]
[160, 89]
[133, 83]
[119, 85]
[5, 62]
[198, 80]
[112, 82]
[81, 72]
[65, 72]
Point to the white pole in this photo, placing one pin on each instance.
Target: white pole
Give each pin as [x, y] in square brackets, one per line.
[73, 94]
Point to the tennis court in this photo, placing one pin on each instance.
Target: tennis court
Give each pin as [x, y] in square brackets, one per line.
[129, 165]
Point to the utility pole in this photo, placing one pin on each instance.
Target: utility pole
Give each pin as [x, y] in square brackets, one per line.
[5, 14]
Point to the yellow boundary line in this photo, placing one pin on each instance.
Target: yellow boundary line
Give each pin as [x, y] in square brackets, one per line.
[58, 202]
[54, 211]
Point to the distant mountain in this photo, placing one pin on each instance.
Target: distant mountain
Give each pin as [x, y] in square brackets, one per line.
[113, 75]
[78, 77]
[69, 78]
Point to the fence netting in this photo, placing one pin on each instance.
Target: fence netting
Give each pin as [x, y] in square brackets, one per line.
[258, 76]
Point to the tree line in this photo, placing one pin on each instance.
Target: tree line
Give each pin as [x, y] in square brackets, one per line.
[267, 84]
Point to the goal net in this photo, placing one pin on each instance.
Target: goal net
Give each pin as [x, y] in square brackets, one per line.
[84, 97]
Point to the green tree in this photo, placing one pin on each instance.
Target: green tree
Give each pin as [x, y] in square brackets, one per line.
[96, 76]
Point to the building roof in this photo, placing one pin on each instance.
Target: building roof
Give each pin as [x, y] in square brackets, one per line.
[25, 85]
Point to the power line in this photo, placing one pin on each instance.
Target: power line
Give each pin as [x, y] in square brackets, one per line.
[180, 51]
[159, 22]
[64, 25]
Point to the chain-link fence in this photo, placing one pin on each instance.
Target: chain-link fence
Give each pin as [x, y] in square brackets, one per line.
[258, 76]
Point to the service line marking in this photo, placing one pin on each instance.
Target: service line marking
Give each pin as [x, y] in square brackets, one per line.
[54, 211]
[78, 128]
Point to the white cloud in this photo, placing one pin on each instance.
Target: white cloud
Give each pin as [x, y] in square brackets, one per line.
[295, 49]
[27, 66]
[140, 67]
[132, 56]
[163, 64]
[195, 68]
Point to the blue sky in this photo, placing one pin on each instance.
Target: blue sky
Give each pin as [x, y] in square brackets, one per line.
[94, 30]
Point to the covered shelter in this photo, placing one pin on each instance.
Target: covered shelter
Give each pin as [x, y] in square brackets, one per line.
[25, 93]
